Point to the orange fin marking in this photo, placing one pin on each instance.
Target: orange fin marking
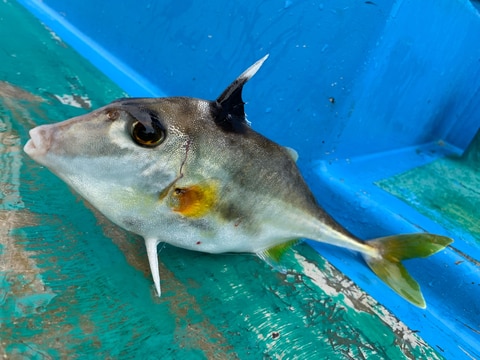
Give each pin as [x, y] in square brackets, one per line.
[194, 201]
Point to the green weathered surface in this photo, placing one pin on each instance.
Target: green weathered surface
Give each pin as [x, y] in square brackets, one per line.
[72, 285]
[446, 190]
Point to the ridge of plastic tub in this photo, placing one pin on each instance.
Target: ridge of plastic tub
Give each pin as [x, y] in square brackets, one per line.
[450, 280]
[128, 79]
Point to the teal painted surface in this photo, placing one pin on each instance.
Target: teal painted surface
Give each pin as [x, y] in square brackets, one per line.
[72, 285]
[446, 190]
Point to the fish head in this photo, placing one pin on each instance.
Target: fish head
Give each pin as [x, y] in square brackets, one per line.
[125, 157]
[122, 156]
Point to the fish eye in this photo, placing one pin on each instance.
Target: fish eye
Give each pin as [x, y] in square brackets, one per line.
[147, 135]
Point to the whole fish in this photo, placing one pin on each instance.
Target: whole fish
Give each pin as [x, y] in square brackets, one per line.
[192, 173]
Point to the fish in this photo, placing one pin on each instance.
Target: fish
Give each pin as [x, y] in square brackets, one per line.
[194, 174]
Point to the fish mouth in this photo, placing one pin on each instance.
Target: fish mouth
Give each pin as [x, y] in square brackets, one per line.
[29, 147]
[39, 142]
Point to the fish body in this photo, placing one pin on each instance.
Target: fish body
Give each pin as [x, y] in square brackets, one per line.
[194, 174]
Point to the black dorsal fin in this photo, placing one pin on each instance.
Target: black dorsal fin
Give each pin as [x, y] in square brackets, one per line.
[229, 111]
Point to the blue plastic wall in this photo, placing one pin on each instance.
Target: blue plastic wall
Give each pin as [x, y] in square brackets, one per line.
[345, 80]
[408, 70]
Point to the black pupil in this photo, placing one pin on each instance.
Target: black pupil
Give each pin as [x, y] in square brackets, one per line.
[149, 135]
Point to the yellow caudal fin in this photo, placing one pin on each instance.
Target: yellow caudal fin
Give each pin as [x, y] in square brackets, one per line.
[394, 249]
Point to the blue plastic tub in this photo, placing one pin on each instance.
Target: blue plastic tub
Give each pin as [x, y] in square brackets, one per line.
[364, 90]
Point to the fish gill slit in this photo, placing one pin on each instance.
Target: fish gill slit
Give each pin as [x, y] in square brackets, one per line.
[165, 191]
[187, 149]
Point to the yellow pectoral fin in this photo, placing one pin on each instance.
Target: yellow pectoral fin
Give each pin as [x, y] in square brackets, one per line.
[273, 255]
[194, 201]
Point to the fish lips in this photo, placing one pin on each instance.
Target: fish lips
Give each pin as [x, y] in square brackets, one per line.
[39, 144]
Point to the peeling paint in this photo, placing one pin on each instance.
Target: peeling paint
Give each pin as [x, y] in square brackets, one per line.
[337, 285]
[22, 289]
[77, 101]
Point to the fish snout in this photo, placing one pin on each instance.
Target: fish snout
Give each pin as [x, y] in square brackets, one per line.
[40, 141]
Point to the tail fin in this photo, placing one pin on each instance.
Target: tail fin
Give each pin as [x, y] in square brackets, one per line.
[394, 249]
